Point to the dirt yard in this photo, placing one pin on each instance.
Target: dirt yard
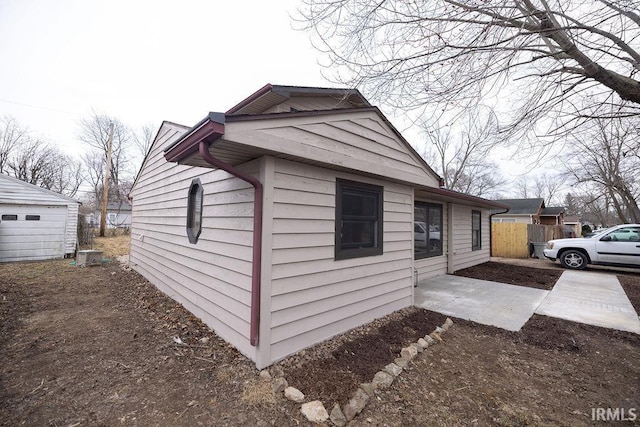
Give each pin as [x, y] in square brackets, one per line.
[96, 346]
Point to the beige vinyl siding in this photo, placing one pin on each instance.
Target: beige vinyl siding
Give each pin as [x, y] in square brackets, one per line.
[313, 296]
[464, 255]
[435, 266]
[211, 278]
[357, 141]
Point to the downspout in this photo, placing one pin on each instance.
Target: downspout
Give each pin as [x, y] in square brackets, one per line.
[257, 236]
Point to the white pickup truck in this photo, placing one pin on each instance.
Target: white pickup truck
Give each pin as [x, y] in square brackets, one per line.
[619, 246]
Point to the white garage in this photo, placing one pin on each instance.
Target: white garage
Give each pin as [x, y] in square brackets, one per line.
[35, 224]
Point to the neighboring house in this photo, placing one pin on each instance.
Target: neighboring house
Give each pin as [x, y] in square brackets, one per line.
[530, 211]
[35, 224]
[525, 211]
[552, 215]
[118, 215]
[298, 214]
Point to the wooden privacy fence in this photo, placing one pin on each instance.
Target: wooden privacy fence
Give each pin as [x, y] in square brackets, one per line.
[511, 240]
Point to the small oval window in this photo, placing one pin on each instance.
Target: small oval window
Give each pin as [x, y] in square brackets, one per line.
[194, 211]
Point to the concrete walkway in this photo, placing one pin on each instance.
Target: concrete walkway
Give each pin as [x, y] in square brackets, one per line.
[586, 297]
[490, 303]
[592, 298]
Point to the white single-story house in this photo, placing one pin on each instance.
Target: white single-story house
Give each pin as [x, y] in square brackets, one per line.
[118, 215]
[298, 214]
[35, 223]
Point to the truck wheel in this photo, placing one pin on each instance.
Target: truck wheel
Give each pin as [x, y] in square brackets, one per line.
[573, 259]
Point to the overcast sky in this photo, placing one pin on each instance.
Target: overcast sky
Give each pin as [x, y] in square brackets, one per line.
[143, 61]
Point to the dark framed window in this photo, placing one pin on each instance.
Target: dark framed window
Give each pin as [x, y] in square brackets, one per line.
[194, 211]
[32, 217]
[359, 219]
[476, 230]
[427, 230]
[7, 217]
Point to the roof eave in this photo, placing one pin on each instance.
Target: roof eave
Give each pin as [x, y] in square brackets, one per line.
[211, 128]
[287, 91]
[257, 94]
[456, 196]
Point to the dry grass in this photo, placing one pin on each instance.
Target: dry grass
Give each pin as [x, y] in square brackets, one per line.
[24, 272]
[258, 392]
[112, 246]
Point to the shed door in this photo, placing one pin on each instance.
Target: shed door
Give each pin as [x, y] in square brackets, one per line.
[31, 232]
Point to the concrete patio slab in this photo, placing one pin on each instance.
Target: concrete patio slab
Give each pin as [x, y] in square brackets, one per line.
[490, 303]
[592, 298]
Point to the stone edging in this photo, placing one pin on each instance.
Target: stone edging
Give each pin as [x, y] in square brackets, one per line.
[316, 412]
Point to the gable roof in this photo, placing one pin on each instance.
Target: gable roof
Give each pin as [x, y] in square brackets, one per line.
[523, 206]
[15, 191]
[165, 127]
[286, 121]
[552, 211]
[270, 95]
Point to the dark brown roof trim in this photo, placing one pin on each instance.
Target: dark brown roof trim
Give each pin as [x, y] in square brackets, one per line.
[304, 113]
[286, 91]
[257, 94]
[461, 196]
[211, 127]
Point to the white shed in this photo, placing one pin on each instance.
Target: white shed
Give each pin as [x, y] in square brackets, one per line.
[298, 214]
[35, 223]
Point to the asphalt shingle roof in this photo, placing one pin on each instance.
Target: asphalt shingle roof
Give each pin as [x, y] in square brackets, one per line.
[522, 206]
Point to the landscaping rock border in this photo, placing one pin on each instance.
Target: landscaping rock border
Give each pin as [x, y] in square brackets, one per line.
[317, 413]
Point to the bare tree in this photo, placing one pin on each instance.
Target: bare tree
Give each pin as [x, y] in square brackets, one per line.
[460, 150]
[596, 207]
[12, 135]
[522, 187]
[143, 138]
[602, 163]
[94, 162]
[31, 164]
[572, 205]
[41, 164]
[546, 186]
[94, 168]
[567, 56]
[94, 131]
[67, 177]
[591, 206]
